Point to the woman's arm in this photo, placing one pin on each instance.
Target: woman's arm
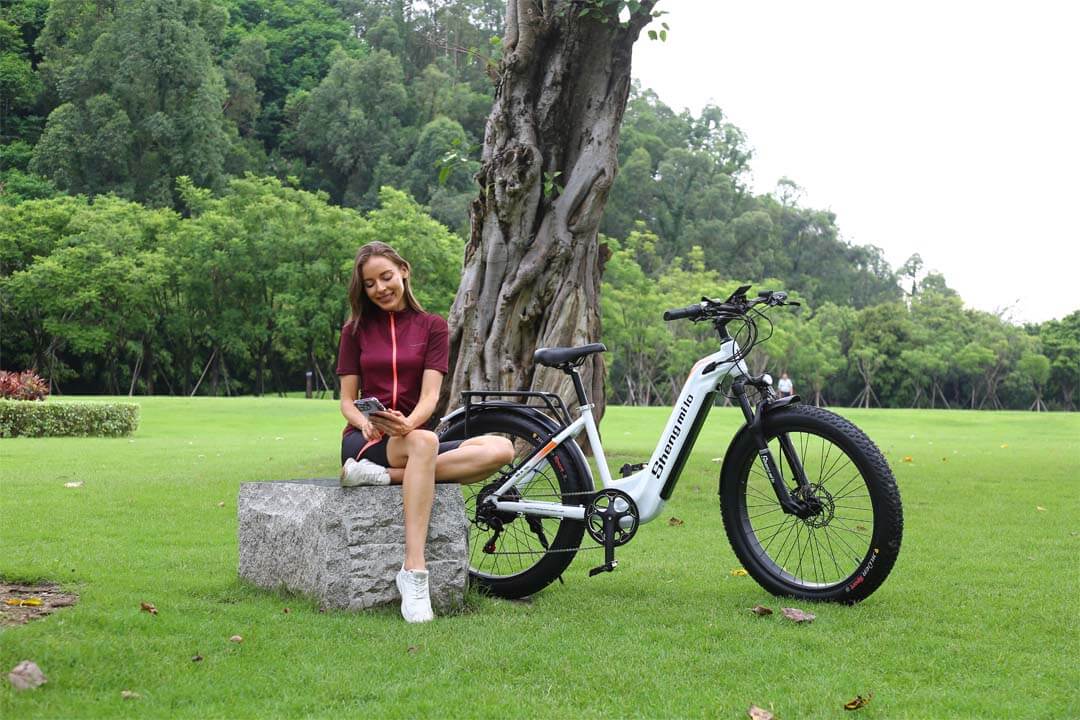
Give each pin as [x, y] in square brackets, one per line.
[394, 423]
[350, 386]
[429, 398]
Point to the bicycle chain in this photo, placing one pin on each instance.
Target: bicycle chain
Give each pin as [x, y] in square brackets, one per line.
[561, 550]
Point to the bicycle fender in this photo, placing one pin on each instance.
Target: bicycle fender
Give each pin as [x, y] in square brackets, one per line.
[745, 432]
[550, 426]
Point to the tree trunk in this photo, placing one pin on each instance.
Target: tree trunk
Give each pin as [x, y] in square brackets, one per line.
[533, 264]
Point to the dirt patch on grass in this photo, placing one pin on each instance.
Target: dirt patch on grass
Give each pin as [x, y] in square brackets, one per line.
[20, 603]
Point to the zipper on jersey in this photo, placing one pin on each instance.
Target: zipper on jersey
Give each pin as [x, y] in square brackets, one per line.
[393, 360]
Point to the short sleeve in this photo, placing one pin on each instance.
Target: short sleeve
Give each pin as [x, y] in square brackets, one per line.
[348, 351]
[438, 346]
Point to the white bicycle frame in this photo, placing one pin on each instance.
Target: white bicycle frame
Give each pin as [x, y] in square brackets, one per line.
[646, 486]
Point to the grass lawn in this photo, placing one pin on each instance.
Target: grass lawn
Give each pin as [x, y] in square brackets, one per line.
[978, 619]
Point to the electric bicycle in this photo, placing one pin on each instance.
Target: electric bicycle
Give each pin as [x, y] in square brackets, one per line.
[808, 502]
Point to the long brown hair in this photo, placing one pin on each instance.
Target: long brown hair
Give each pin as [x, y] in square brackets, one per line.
[359, 302]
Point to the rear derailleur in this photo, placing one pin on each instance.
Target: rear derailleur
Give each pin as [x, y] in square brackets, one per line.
[489, 518]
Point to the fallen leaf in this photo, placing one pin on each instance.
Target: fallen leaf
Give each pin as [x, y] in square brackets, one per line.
[196, 658]
[944, 459]
[413, 649]
[23, 602]
[77, 484]
[286, 611]
[798, 615]
[907, 458]
[1004, 445]
[739, 572]
[221, 504]
[130, 695]
[858, 702]
[675, 522]
[760, 610]
[757, 713]
[148, 607]
[26, 676]
[236, 639]
[1040, 508]
[861, 528]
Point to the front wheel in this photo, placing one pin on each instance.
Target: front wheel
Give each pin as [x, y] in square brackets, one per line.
[845, 549]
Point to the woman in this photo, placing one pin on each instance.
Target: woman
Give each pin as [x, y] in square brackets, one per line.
[399, 354]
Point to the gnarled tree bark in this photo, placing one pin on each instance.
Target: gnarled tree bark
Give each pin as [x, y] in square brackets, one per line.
[533, 263]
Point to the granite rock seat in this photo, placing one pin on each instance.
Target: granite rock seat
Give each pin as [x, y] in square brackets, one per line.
[344, 546]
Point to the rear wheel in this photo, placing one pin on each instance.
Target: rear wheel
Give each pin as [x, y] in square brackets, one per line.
[512, 555]
[845, 549]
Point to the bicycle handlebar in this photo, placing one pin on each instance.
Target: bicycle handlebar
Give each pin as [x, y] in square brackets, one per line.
[737, 303]
[690, 311]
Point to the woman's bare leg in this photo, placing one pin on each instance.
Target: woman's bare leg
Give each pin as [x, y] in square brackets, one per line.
[474, 460]
[416, 452]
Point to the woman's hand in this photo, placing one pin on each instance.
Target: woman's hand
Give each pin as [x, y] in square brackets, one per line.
[370, 432]
[392, 423]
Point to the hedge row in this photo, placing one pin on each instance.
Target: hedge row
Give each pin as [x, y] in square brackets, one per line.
[52, 419]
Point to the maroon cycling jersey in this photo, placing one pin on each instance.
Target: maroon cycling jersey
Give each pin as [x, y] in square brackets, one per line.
[390, 352]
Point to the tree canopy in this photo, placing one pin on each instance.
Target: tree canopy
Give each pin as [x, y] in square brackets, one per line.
[183, 185]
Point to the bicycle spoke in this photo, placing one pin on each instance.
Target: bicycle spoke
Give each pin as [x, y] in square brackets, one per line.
[825, 547]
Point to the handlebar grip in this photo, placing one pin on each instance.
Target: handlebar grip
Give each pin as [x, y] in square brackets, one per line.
[689, 311]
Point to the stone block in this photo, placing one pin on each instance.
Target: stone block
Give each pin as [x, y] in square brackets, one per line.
[344, 546]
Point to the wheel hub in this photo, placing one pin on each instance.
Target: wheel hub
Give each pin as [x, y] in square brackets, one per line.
[487, 516]
[821, 508]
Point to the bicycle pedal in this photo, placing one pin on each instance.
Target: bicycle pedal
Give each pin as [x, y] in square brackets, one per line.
[606, 567]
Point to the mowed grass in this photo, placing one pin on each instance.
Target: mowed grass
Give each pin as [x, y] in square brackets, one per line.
[978, 619]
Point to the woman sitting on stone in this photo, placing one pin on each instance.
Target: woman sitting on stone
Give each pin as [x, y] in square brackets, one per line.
[399, 354]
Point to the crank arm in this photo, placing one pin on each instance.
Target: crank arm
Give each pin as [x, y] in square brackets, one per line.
[610, 563]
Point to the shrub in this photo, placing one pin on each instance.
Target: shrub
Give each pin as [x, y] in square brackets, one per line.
[54, 419]
[22, 386]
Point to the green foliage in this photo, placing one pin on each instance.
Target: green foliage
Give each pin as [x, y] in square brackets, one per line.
[251, 285]
[27, 418]
[141, 104]
[351, 121]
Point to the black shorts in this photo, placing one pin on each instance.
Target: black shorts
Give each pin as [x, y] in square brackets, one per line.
[353, 443]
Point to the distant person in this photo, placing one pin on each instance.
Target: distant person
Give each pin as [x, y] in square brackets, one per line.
[399, 354]
[785, 386]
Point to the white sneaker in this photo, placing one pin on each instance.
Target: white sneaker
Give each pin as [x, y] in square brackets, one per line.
[415, 599]
[363, 472]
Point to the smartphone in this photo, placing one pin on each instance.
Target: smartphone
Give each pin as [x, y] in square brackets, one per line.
[368, 405]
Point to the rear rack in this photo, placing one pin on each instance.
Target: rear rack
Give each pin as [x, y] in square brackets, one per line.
[548, 401]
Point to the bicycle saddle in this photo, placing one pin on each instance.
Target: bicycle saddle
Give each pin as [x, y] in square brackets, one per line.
[554, 357]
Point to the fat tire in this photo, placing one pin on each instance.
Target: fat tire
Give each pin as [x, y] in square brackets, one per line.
[566, 469]
[884, 544]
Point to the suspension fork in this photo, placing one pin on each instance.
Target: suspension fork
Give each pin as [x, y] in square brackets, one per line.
[754, 423]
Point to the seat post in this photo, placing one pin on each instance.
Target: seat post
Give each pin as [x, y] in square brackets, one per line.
[578, 387]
